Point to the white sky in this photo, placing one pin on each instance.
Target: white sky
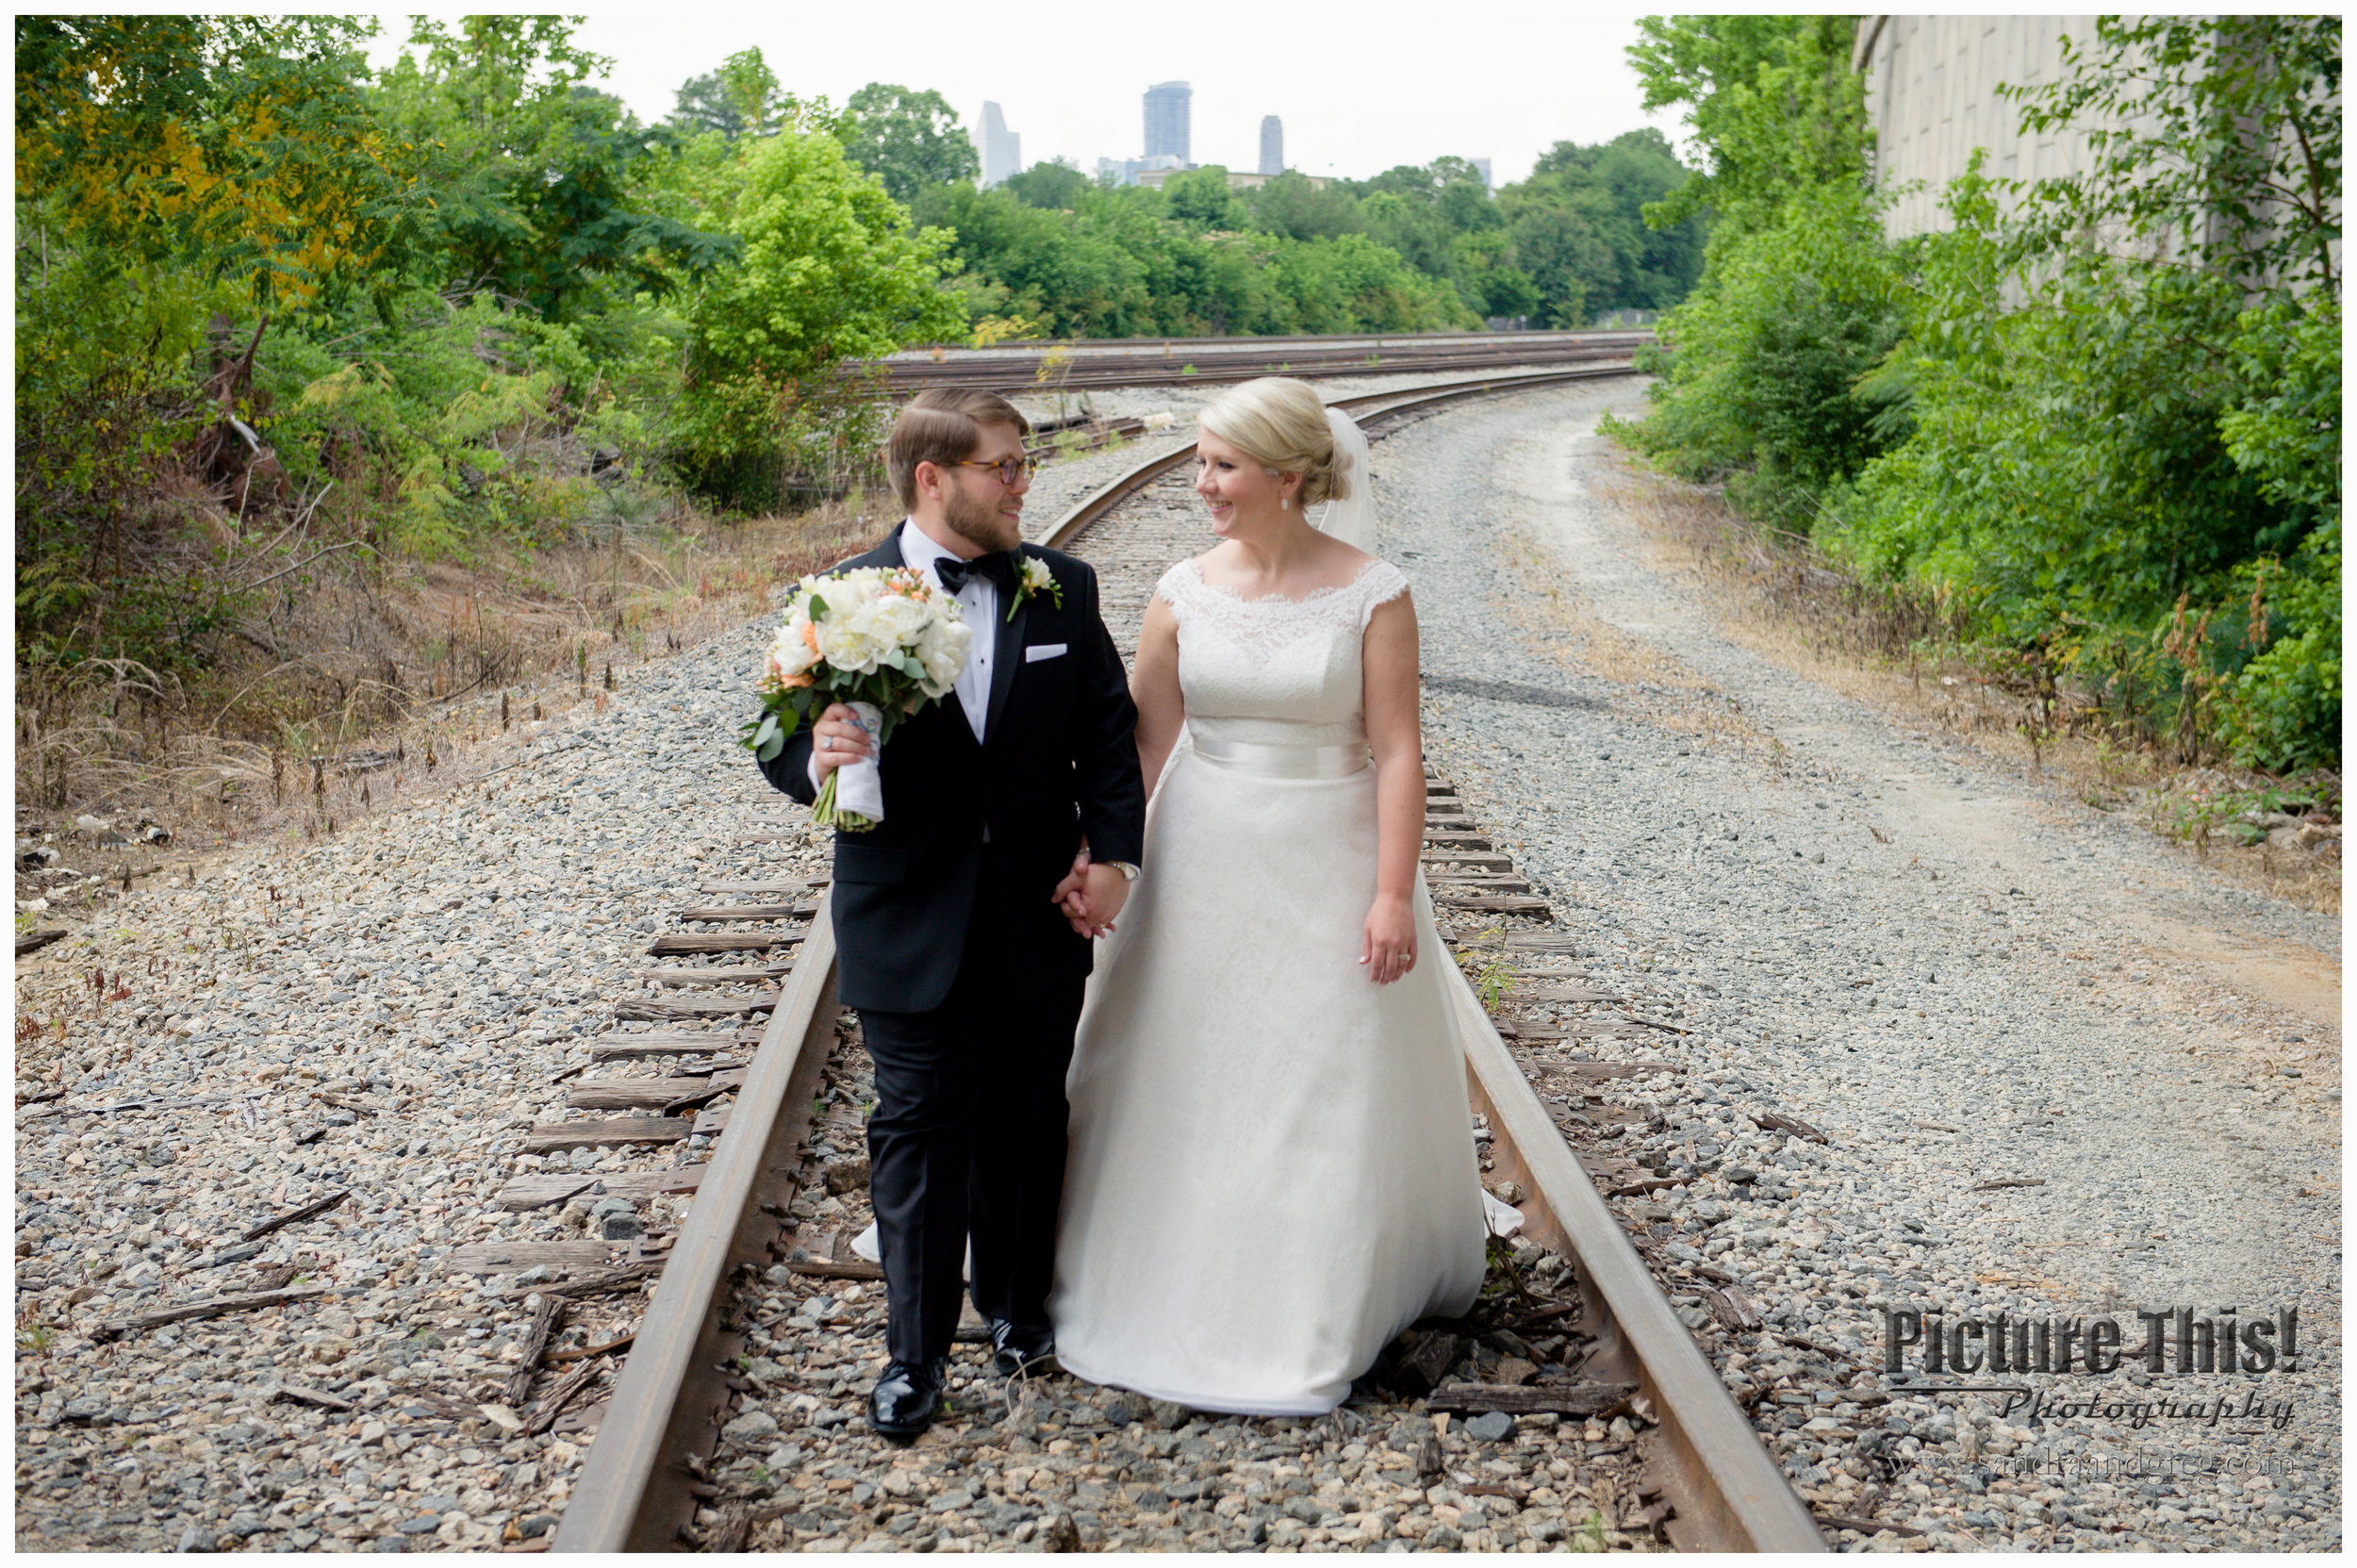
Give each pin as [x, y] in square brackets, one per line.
[1359, 88]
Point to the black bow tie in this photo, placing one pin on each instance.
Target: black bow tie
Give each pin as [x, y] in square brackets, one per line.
[997, 569]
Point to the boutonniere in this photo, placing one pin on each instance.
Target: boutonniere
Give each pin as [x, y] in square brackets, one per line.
[1032, 576]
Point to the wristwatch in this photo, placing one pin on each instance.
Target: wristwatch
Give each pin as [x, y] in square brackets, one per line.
[1128, 872]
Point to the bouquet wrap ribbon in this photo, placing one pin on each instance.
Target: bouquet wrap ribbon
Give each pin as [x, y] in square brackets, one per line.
[859, 785]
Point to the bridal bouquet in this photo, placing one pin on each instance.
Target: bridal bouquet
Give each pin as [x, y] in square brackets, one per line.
[884, 641]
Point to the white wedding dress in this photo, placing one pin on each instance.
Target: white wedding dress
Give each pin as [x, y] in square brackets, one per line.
[1271, 1167]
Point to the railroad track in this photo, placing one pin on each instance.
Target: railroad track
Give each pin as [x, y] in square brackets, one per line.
[1215, 361]
[1647, 1432]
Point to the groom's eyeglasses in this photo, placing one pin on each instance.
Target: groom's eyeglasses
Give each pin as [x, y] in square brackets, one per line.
[1008, 469]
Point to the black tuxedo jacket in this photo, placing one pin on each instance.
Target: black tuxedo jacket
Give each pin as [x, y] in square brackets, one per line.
[1060, 760]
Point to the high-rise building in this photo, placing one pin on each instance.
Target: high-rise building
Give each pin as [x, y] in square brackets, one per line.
[1167, 105]
[1483, 164]
[1002, 149]
[1272, 145]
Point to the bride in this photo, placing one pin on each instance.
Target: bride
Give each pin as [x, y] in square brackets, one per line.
[1272, 1168]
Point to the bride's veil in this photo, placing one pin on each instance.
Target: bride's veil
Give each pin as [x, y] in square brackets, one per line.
[1351, 519]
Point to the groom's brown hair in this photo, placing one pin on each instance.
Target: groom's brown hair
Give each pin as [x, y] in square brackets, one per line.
[943, 426]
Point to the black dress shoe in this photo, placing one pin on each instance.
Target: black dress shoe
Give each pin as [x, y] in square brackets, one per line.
[907, 1397]
[1019, 1347]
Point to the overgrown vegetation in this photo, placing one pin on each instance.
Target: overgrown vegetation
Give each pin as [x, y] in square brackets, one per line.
[2095, 424]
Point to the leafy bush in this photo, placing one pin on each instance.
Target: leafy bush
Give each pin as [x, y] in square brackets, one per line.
[2064, 417]
[829, 269]
[2284, 708]
[1765, 360]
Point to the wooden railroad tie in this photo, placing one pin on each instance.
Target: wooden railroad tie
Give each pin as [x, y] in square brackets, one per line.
[547, 1136]
[1504, 903]
[610, 1048]
[719, 1007]
[1593, 1072]
[537, 1191]
[650, 1094]
[211, 1307]
[504, 1256]
[684, 944]
[750, 912]
[734, 974]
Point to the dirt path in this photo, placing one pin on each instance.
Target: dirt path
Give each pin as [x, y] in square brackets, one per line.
[2268, 952]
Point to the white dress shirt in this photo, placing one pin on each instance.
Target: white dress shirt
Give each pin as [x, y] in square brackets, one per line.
[979, 596]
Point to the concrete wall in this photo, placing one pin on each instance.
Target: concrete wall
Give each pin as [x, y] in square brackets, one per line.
[1931, 96]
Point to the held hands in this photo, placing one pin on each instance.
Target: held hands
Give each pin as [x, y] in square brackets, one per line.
[1389, 949]
[837, 740]
[1091, 896]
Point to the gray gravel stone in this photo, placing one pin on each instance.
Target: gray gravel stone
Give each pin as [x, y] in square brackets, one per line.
[1490, 1427]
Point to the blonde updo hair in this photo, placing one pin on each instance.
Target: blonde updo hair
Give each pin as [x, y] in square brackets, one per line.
[1281, 424]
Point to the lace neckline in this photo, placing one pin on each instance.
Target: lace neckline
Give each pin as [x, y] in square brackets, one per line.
[1194, 566]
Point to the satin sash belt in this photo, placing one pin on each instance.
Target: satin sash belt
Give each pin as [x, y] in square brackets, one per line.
[1283, 762]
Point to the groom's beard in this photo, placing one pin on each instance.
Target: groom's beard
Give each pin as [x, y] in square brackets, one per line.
[980, 523]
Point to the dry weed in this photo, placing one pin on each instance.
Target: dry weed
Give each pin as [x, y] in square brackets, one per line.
[376, 686]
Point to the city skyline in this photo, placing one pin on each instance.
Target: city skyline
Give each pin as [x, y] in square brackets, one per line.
[1566, 79]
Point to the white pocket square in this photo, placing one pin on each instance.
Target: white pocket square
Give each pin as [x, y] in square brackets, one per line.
[1042, 651]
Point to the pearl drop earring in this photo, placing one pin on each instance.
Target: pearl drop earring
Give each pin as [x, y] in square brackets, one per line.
[1284, 503]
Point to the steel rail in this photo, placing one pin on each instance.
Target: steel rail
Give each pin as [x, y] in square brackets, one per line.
[1228, 366]
[635, 1491]
[1156, 346]
[1416, 400]
[1728, 1492]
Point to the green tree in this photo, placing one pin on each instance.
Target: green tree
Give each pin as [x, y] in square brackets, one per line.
[1056, 186]
[1609, 186]
[1408, 226]
[1291, 206]
[174, 174]
[2120, 390]
[1770, 100]
[909, 140]
[742, 98]
[2216, 143]
[830, 270]
[1559, 251]
[1200, 199]
[531, 169]
[245, 141]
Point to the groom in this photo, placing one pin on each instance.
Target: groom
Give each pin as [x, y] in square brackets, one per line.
[951, 915]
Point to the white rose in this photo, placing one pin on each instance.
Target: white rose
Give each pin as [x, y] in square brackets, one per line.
[844, 640]
[789, 653]
[942, 651]
[899, 621]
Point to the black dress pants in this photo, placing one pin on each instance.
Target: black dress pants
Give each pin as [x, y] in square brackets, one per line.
[967, 1139]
